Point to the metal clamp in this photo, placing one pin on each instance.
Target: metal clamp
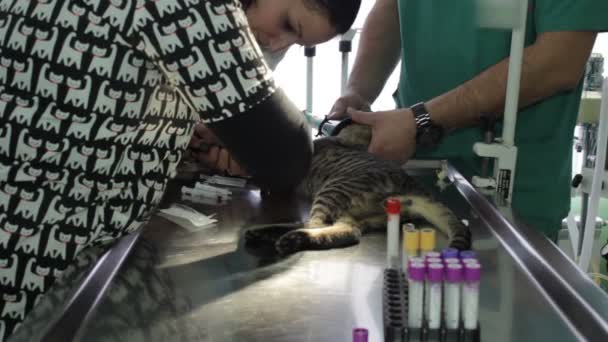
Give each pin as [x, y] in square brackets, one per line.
[504, 168]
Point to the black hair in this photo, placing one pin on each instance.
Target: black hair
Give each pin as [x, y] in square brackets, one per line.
[341, 13]
[246, 3]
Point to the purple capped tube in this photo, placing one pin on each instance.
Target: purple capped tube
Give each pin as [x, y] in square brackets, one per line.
[451, 261]
[416, 274]
[453, 283]
[434, 282]
[449, 253]
[470, 295]
[432, 254]
[415, 260]
[467, 255]
[469, 261]
[360, 335]
[434, 261]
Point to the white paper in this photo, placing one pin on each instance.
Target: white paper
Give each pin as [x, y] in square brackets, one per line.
[187, 217]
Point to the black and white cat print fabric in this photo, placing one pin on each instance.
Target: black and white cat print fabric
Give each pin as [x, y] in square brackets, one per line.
[97, 104]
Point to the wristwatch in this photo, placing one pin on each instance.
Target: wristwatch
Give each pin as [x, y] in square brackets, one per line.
[428, 134]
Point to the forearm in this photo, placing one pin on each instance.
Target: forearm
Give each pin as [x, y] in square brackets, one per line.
[553, 64]
[378, 52]
[271, 142]
[263, 130]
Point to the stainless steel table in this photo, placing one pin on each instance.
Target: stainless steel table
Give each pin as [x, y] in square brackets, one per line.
[206, 286]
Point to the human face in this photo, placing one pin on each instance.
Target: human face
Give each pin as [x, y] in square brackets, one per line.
[277, 24]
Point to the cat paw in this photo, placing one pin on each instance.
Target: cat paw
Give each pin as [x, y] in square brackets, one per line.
[266, 235]
[292, 242]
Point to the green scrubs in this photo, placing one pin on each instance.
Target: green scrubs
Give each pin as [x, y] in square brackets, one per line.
[442, 47]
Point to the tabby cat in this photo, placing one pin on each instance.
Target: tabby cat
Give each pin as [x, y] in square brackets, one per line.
[348, 187]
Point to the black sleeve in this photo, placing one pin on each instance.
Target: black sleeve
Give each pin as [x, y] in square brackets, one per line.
[272, 142]
[207, 51]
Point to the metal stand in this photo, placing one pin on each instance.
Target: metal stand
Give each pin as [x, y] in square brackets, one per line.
[583, 232]
[504, 151]
[593, 183]
[345, 49]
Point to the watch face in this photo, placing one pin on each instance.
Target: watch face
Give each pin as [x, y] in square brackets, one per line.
[430, 136]
[436, 133]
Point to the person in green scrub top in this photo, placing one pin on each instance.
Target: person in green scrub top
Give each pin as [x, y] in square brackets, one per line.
[454, 75]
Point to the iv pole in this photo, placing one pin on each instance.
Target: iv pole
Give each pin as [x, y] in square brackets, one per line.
[597, 183]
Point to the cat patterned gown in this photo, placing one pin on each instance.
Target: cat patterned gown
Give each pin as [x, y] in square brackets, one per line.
[98, 100]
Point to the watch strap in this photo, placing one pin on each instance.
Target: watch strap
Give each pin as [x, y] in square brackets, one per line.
[421, 116]
[427, 133]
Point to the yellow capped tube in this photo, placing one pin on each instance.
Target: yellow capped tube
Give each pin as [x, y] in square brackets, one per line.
[411, 242]
[427, 240]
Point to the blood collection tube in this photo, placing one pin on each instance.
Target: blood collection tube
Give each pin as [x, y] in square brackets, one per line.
[434, 261]
[416, 273]
[469, 261]
[470, 295]
[435, 255]
[452, 261]
[448, 253]
[360, 335]
[393, 210]
[427, 240]
[453, 281]
[433, 295]
[467, 255]
[416, 260]
[427, 284]
[411, 242]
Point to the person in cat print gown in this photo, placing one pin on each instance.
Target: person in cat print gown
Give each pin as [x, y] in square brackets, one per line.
[276, 31]
[98, 102]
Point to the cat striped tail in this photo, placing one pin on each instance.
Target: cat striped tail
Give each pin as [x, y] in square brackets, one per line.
[438, 216]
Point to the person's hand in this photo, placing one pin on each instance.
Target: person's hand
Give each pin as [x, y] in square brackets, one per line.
[350, 99]
[206, 149]
[393, 132]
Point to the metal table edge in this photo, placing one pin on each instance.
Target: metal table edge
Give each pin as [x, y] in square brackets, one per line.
[569, 290]
[81, 306]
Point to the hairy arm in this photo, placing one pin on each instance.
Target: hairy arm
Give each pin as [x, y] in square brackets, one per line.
[378, 52]
[377, 56]
[554, 63]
